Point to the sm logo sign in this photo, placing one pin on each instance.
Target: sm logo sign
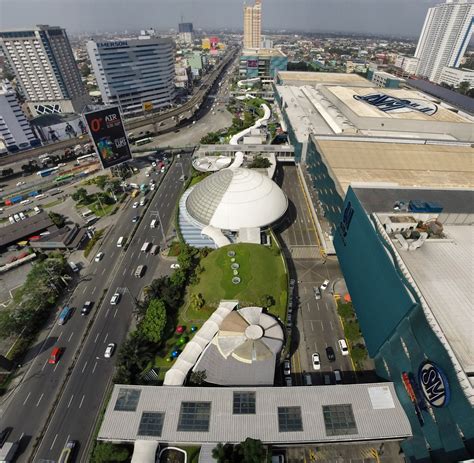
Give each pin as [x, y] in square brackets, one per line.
[346, 221]
[434, 384]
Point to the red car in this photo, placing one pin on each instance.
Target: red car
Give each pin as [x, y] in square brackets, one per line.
[55, 355]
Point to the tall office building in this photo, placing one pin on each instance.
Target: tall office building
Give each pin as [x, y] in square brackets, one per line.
[15, 130]
[46, 71]
[136, 74]
[253, 25]
[186, 32]
[445, 35]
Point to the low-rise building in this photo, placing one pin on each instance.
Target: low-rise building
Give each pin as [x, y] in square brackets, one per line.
[407, 63]
[384, 79]
[262, 62]
[454, 76]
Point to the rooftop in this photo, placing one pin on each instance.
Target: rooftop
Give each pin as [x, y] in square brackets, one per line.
[313, 78]
[402, 164]
[25, 229]
[320, 414]
[262, 52]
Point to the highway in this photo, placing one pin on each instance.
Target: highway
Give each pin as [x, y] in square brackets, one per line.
[80, 401]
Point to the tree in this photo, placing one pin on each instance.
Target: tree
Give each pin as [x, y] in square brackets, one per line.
[260, 163]
[101, 181]
[80, 196]
[85, 71]
[464, 87]
[345, 311]
[266, 300]
[358, 354]
[197, 301]
[198, 378]
[352, 331]
[106, 452]
[153, 325]
[58, 219]
[253, 451]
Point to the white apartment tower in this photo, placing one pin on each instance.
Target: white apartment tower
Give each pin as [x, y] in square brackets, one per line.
[445, 35]
[44, 66]
[134, 74]
[253, 25]
[15, 130]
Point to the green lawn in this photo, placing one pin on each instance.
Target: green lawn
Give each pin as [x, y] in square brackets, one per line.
[261, 271]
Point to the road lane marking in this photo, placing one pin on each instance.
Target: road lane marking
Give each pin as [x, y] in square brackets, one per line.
[70, 400]
[332, 327]
[70, 336]
[60, 334]
[45, 363]
[39, 400]
[84, 290]
[93, 291]
[308, 307]
[27, 397]
[103, 271]
[97, 337]
[56, 366]
[106, 336]
[84, 367]
[133, 253]
[82, 400]
[113, 254]
[107, 313]
[124, 271]
[317, 305]
[312, 327]
[54, 440]
[67, 440]
[116, 310]
[93, 369]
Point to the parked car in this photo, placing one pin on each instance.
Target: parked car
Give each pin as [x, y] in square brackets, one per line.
[343, 347]
[287, 368]
[99, 256]
[330, 354]
[86, 308]
[317, 293]
[110, 350]
[338, 376]
[174, 266]
[115, 299]
[288, 381]
[324, 285]
[316, 361]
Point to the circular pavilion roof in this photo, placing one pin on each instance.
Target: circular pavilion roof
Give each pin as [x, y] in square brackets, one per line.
[236, 198]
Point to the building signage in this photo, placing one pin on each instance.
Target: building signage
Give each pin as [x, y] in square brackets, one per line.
[113, 44]
[434, 384]
[147, 106]
[252, 63]
[108, 134]
[387, 103]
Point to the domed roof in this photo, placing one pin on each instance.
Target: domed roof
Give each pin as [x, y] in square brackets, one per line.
[236, 198]
[249, 335]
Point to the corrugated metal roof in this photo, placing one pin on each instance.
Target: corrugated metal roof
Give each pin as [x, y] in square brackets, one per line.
[24, 229]
[372, 420]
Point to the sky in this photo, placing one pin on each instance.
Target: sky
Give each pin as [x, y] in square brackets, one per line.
[388, 17]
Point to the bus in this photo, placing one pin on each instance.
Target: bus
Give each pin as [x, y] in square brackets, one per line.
[63, 177]
[143, 141]
[86, 157]
[46, 172]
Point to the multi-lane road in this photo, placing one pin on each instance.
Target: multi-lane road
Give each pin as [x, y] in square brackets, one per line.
[88, 374]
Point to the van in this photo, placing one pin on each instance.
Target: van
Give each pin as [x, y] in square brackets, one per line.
[146, 246]
[338, 376]
[140, 271]
[153, 223]
[155, 249]
[120, 242]
[307, 380]
[343, 347]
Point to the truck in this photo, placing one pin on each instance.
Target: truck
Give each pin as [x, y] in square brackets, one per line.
[64, 315]
[8, 451]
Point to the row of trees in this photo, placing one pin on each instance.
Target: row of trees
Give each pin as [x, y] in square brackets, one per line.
[249, 451]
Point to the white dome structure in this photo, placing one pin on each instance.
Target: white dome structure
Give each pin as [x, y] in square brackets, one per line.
[237, 198]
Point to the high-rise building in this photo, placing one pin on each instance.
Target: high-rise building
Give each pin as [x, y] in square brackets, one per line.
[43, 63]
[15, 130]
[186, 33]
[445, 35]
[253, 25]
[135, 73]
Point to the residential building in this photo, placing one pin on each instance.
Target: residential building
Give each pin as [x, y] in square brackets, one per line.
[195, 61]
[253, 25]
[132, 73]
[44, 65]
[15, 130]
[206, 43]
[407, 63]
[262, 62]
[384, 79]
[186, 33]
[445, 35]
[454, 76]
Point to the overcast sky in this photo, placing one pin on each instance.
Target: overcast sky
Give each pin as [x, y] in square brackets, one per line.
[400, 17]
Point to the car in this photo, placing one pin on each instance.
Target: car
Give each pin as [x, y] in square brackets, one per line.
[4, 435]
[343, 346]
[115, 299]
[324, 285]
[152, 187]
[110, 350]
[288, 381]
[338, 376]
[86, 308]
[287, 368]
[99, 256]
[142, 202]
[307, 379]
[317, 293]
[55, 355]
[135, 218]
[316, 361]
[330, 354]
[135, 204]
[174, 266]
[21, 183]
[292, 282]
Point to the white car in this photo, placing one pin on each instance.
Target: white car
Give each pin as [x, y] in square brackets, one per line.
[110, 350]
[324, 285]
[21, 183]
[174, 266]
[287, 368]
[343, 347]
[316, 362]
[115, 299]
[135, 204]
[99, 256]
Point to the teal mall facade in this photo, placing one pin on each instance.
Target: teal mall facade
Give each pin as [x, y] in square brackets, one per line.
[400, 339]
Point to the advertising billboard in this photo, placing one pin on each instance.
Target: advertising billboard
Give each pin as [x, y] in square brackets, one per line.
[252, 63]
[147, 106]
[108, 134]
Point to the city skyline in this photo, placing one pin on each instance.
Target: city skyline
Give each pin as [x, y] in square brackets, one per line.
[397, 17]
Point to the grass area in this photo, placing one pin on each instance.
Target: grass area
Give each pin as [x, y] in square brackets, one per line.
[90, 245]
[174, 249]
[198, 177]
[261, 271]
[101, 211]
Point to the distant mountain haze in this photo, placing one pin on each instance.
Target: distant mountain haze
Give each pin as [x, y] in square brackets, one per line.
[388, 17]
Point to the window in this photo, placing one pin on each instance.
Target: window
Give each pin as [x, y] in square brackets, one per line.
[339, 420]
[127, 400]
[194, 416]
[244, 403]
[289, 419]
[151, 424]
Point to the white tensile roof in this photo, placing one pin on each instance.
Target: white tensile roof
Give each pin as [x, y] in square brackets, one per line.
[236, 198]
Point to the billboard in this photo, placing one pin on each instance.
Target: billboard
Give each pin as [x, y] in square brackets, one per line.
[147, 106]
[108, 134]
[252, 63]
